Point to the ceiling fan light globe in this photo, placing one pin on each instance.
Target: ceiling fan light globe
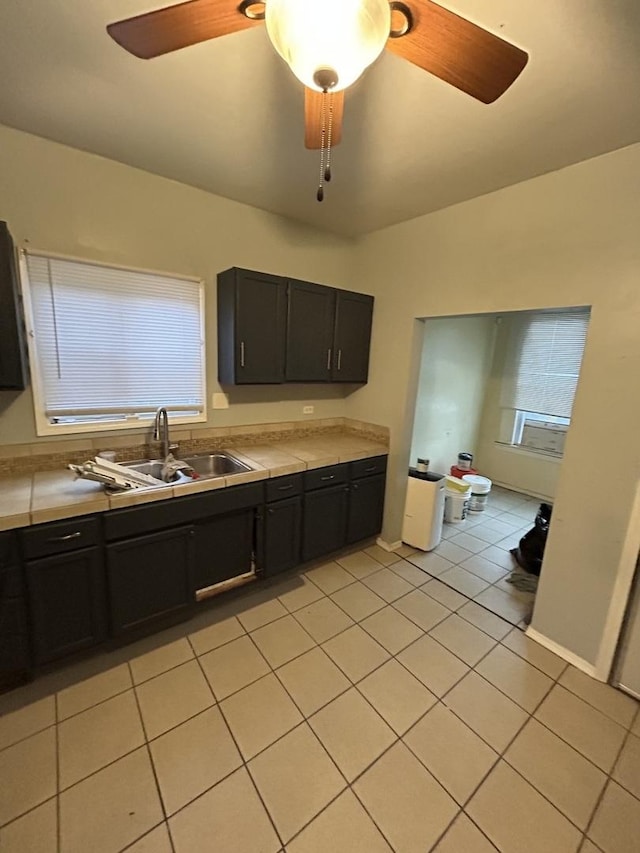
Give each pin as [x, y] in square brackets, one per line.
[343, 35]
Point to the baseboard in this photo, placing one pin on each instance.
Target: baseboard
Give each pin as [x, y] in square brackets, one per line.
[389, 546]
[563, 653]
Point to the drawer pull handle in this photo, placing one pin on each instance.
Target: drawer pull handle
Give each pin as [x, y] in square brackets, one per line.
[66, 538]
[370, 470]
[329, 477]
[285, 488]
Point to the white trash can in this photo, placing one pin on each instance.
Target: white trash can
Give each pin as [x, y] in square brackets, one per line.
[480, 488]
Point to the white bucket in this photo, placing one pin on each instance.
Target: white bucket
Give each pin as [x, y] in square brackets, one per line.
[480, 488]
[456, 504]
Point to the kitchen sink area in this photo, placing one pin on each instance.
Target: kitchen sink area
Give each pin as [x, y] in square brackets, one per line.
[204, 465]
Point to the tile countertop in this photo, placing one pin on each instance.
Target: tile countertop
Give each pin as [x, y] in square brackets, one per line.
[54, 495]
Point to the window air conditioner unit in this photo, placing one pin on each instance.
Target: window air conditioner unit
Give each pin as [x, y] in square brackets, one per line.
[542, 435]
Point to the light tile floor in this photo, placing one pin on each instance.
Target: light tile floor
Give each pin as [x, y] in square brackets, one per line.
[366, 705]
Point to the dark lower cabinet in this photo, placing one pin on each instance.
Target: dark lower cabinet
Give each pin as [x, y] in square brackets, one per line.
[151, 580]
[67, 603]
[15, 661]
[223, 547]
[324, 521]
[281, 535]
[366, 504]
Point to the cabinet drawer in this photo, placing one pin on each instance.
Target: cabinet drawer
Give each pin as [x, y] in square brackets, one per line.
[367, 467]
[284, 487]
[48, 539]
[332, 475]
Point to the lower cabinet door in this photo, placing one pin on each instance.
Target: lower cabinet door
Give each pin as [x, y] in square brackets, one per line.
[366, 504]
[151, 578]
[67, 602]
[281, 544]
[224, 546]
[324, 521]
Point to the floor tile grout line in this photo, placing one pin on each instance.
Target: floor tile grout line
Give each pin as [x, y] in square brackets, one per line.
[149, 754]
[58, 815]
[26, 737]
[147, 833]
[244, 764]
[517, 771]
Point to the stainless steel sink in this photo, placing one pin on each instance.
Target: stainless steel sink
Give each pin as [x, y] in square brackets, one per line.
[206, 465]
[149, 466]
[219, 464]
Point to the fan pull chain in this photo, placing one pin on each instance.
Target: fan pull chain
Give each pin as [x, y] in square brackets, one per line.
[327, 172]
[323, 136]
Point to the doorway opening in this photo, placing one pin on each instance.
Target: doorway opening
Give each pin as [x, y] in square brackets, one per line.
[499, 387]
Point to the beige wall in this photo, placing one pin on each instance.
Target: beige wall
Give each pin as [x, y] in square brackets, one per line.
[566, 238]
[517, 469]
[454, 368]
[67, 201]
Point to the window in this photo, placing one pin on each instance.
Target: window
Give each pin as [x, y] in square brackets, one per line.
[109, 345]
[544, 357]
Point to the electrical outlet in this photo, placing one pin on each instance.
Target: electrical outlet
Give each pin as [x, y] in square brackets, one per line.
[220, 401]
[307, 410]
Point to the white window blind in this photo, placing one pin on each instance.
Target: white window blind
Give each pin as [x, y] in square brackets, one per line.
[544, 360]
[114, 344]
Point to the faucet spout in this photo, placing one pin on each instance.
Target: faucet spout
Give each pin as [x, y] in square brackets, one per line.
[161, 430]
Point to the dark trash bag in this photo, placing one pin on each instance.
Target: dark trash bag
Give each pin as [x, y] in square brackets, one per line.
[530, 551]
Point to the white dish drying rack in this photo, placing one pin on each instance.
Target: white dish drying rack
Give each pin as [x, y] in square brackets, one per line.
[114, 475]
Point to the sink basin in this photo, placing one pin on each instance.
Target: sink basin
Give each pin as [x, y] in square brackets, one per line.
[149, 466]
[206, 465]
[217, 464]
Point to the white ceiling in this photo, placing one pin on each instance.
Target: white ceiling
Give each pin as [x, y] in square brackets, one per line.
[227, 115]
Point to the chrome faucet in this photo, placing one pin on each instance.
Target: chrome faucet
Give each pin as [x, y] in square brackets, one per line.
[161, 431]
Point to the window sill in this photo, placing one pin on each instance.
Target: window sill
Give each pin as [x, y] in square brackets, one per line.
[528, 451]
[133, 426]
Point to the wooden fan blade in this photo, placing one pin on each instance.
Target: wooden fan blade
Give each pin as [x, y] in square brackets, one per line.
[459, 52]
[165, 30]
[313, 118]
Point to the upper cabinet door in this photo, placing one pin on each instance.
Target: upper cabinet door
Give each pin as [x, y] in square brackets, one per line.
[310, 318]
[352, 338]
[13, 353]
[251, 327]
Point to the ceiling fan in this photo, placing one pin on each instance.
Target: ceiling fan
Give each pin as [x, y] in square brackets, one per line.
[329, 43]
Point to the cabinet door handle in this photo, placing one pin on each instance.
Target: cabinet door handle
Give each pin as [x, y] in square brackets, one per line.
[355, 487]
[285, 488]
[329, 359]
[270, 511]
[66, 538]
[329, 477]
[339, 359]
[241, 353]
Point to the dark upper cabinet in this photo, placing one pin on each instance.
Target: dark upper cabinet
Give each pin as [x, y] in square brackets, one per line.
[67, 602]
[252, 310]
[352, 337]
[310, 322]
[272, 330]
[13, 349]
